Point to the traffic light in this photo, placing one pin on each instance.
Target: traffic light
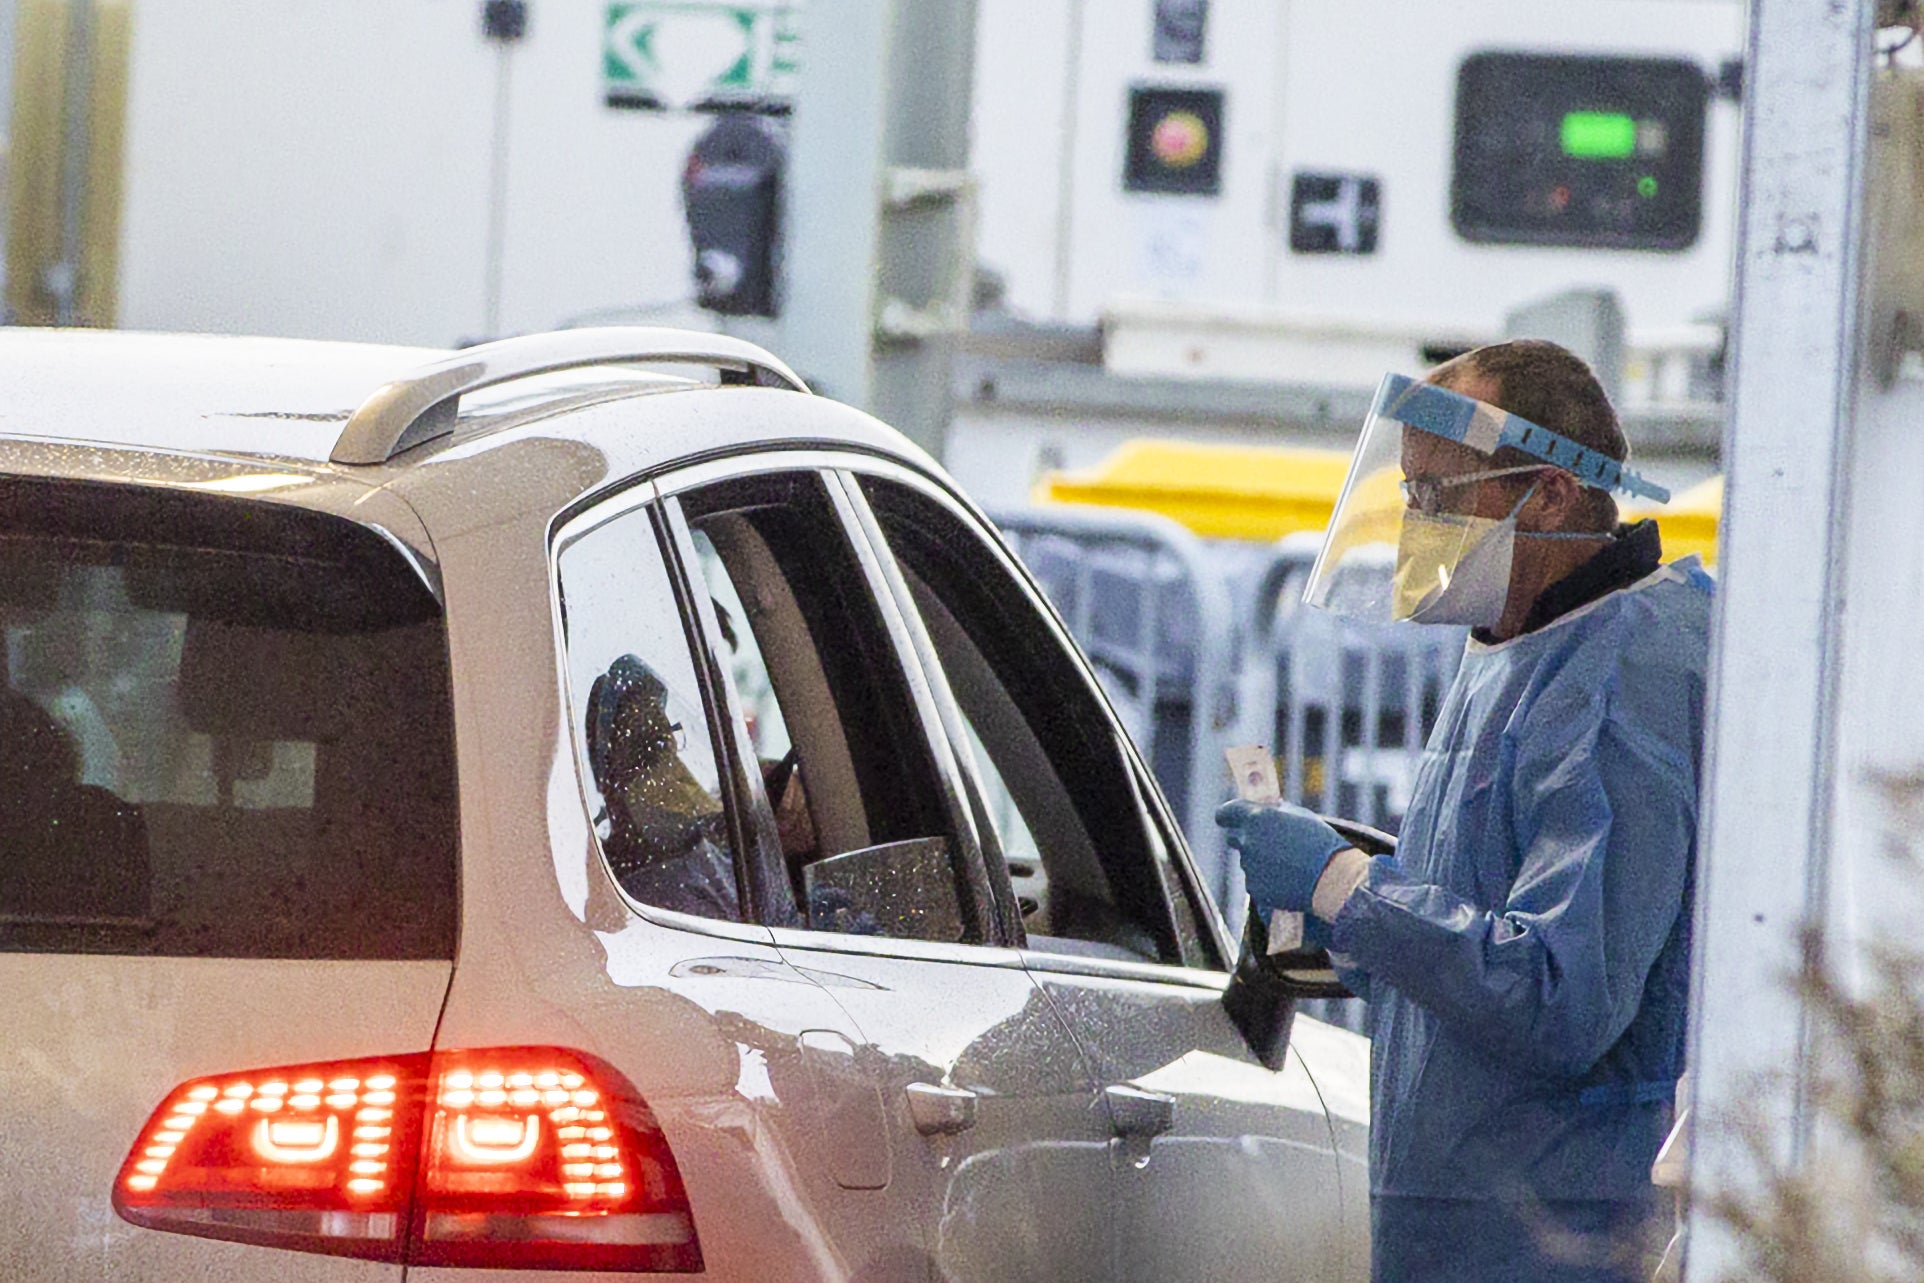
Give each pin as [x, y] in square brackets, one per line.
[731, 191]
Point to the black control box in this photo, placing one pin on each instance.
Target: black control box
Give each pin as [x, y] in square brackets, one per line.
[1593, 151]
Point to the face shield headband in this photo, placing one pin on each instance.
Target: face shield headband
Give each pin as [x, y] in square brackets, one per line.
[1394, 551]
[1486, 429]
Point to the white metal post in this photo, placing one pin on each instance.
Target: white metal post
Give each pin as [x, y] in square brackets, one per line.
[1771, 763]
[879, 242]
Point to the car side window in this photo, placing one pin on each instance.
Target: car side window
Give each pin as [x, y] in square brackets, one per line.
[1090, 871]
[646, 756]
[868, 844]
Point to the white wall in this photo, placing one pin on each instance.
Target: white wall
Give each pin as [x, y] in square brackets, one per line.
[1357, 85]
[594, 208]
[322, 170]
[1016, 146]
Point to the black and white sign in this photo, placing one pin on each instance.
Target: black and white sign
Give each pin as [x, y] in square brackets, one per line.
[1181, 28]
[1334, 213]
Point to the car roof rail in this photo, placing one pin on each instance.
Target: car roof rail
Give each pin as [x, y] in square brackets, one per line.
[420, 406]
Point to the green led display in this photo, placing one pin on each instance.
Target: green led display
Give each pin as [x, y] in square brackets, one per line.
[1647, 186]
[1599, 135]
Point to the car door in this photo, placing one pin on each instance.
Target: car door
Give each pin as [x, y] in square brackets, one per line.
[879, 890]
[1222, 1169]
[741, 1055]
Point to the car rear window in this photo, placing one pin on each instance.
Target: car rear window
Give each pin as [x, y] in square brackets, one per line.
[224, 732]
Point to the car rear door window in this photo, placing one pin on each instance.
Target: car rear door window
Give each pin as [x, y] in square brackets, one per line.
[869, 843]
[225, 731]
[645, 748]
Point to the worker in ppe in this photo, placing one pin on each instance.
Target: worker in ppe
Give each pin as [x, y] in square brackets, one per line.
[1525, 953]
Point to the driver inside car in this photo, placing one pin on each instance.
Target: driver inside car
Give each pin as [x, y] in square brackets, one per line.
[665, 833]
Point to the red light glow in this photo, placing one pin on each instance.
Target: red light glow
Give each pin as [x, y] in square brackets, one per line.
[530, 1157]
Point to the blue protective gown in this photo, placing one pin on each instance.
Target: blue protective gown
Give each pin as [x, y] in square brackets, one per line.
[1525, 954]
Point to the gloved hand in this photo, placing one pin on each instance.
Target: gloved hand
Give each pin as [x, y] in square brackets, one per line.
[1283, 848]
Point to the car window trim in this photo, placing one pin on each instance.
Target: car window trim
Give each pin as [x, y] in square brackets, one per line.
[980, 908]
[733, 467]
[755, 818]
[969, 861]
[975, 955]
[948, 714]
[1216, 940]
[640, 500]
[1119, 969]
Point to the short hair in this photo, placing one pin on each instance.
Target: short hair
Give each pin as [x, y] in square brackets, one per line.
[1554, 388]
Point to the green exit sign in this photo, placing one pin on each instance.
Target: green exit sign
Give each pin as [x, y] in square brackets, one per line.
[701, 55]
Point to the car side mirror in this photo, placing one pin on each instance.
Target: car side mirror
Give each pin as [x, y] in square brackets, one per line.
[1263, 990]
[902, 889]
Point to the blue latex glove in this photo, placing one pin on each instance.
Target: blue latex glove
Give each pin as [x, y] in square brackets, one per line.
[1284, 850]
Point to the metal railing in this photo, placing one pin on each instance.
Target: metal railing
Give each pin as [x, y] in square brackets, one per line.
[1146, 601]
[1202, 645]
[1353, 703]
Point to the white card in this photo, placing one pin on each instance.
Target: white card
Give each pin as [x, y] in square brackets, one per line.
[1254, 771]
[1285, 931]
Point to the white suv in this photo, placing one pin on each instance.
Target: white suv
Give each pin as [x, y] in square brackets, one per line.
[560, 817]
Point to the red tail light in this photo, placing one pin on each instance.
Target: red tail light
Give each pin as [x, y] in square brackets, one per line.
[530, 1157]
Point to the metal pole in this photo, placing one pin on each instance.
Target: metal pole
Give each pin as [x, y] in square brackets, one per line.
[63, 275]
[1066, 167]
[879, 244]
[497, 247]
[1771, 741]
[7, 56]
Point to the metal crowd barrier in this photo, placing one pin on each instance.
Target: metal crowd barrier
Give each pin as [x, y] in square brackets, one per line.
[1147, 602]
[1201, 645]
[1354, 703]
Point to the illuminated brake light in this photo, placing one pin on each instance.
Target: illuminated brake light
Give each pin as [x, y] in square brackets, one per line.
[305, 1140]
[524, 1157]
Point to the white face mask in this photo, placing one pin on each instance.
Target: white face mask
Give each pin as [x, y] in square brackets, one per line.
[1454, 569]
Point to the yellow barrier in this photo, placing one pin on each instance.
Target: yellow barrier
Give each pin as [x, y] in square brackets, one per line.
[1261, 493]
[1688, 521]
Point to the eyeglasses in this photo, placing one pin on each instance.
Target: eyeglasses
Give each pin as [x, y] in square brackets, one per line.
[1425, 494]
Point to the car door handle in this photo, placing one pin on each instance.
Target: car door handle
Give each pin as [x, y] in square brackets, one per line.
[939, 1110]
[1135, 1112]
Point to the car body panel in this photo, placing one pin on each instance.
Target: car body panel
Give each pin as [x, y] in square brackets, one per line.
[1245, 1180]
[1339, 1061]
[705, 1018]
[93, 1045]
[1022, 1189]
[736, 1035]
[283, 398]
[1155, 1037]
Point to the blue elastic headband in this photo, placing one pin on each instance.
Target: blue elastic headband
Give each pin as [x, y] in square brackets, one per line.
[1484, 428]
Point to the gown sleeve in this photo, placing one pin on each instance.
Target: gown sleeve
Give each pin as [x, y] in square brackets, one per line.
[1602, 805]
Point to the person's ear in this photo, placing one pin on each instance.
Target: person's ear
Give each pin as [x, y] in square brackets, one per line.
[1556, 504]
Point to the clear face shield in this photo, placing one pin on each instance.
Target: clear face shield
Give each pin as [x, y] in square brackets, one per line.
[1402, 543]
